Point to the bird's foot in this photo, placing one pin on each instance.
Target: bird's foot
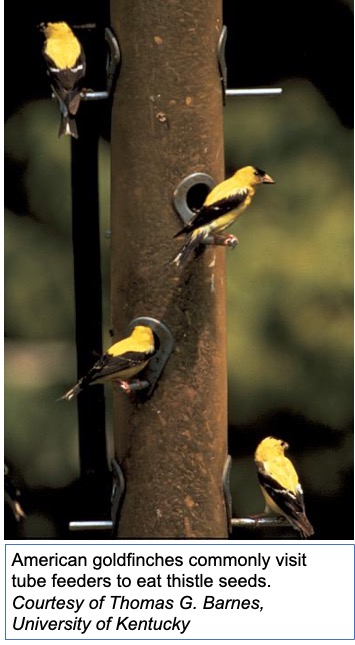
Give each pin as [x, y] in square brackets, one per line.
[224, 239]
[268, 517]
[132, 386]
[257, 517]
[85, 90]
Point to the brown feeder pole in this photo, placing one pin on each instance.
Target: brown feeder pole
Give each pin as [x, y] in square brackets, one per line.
[167, 124]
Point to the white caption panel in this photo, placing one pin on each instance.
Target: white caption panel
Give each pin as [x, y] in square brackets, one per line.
[183, 591]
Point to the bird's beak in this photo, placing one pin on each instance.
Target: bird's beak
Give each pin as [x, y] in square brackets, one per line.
[268, 180]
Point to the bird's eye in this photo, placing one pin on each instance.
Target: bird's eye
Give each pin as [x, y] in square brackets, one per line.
[258, 172]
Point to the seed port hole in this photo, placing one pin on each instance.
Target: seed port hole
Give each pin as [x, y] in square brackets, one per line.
[196, 196]
[190, 194]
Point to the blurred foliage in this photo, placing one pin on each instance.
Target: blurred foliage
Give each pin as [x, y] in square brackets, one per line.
[290, 280]
[290, 288]
[41, 433]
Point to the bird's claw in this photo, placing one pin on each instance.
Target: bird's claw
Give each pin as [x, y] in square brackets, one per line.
[124, 385]
[257, 517]
[265, 514]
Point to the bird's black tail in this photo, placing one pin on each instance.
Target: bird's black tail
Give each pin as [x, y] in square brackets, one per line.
[303, 525]
[74, 391]
[68, 126]
[191, 243]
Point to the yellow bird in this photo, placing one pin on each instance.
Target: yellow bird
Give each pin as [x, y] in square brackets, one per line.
[123, 360]
[222, 206]
[279, 484]
[66, 67]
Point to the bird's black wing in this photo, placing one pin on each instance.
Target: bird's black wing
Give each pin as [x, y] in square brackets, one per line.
[208, 214]
[292, 504]
[109, 364]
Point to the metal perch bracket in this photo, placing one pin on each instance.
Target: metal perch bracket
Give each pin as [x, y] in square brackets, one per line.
[165, 342]
[117, 495]
[112, 63]
[227, 492]
[221, 58]
[194, 189]
[258, 522]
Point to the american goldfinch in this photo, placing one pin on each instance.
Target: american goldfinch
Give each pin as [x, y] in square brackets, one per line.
[123, 360]
[221, 208]
[279, 484]
[66, 65]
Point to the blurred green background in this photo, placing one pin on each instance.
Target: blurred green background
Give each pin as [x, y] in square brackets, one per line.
[290, 305]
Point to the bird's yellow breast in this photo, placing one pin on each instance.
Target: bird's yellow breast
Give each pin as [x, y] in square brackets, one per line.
[227, 220]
